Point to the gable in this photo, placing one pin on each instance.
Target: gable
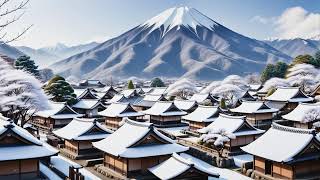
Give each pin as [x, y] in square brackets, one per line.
[312, 149]
[300, 95]
[150, 139]
[172, 108]
[245, 127]
[88, 95]
[95, 130]
[66, 110]
[11, 138]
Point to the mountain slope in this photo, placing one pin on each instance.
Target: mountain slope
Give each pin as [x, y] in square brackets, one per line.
[49, 55]
[297, 46]
[180, 42]
[10, 51]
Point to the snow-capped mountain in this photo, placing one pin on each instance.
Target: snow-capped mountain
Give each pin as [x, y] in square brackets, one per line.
[48, 55]
[179, 42]
[297, 46]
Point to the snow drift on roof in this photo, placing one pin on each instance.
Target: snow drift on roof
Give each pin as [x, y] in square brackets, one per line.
[203, 114]
[164, 108]
[120, 110]
[250, 107]
[300, 111]
[289, 94]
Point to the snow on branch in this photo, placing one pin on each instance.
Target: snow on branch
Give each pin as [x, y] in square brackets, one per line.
[312, 115]
[182, 88]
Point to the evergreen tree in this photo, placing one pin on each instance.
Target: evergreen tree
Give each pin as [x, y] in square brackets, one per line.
[278, 70]
[223, 104]
[28, 65]
[306, 59]
[157, 82]
[317, 59]
[130, 85]
[60, 90]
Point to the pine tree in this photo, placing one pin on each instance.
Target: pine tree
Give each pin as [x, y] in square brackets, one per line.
[157, 82]
[130, 85]
[28, 65]
[60, 90]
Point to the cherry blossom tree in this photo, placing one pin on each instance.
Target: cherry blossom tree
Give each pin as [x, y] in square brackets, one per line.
[182, 88]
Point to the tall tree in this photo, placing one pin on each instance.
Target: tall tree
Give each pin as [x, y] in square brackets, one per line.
[274, 70]
[306, 59]
[26, 64]
[130, 85]
[60, 90]
[21, 94]
[157, 82]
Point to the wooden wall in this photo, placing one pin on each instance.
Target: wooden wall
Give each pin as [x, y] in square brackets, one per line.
[197, 125]
[113, 122]
[19, 167]
[278, 170]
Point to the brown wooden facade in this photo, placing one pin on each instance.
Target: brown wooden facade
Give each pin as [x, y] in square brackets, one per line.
[49, 123]
[165, 120]
[193, 125]
[260, 120]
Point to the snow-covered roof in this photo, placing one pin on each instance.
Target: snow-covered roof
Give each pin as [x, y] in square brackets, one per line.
[58, 110]
[164, 108]
[88, 92]
[185, 105]
[79, 129]
[158, 91]
[289, 94]
[199, 98]
[149, 100]
[78, 92]
[88, 104]
[177, 165]
[129, 92]
[118, 98]
[300, 111]
[255, 87]
[147, 90]
[280, 143]
[121, 142]
[203, 114]
[35, 149]
[253, 107]
[231, 124]
[120, 110]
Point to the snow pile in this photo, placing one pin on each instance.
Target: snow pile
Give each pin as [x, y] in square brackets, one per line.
[274, 83]
[239, 160]
[217, 137]
[312, 115]
[48, 172]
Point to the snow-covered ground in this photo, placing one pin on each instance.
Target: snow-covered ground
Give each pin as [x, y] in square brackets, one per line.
[225, 174]
[241, 159]
[62, 164]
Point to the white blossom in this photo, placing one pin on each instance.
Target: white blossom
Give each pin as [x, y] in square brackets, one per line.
[312, 115]
[274, 83]
[182, 87]
[217, 137]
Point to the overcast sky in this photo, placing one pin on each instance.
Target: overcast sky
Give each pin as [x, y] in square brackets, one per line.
[81, 21]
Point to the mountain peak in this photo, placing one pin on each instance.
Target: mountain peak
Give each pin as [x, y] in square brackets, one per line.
[179, 16]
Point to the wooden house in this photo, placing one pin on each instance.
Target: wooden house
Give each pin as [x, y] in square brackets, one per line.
[20, 153]
[201, 117]
[134, 148]
[247, 97]
[257, 113]
[299, 116]
[286, 153]
[186, 105]
[115, 113]
[106, 93]
[148, 101]
[290, 96]
[237, 125]
[78, 136]
[205, 98]
[88, 93]
[164, 113]
[89, 107]
[59, 115]
[180, 168]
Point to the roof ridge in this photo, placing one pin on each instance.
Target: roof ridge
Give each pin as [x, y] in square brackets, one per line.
[135, 123]
[232, 117]
[182, 160]
[292, 129]
[85, 119]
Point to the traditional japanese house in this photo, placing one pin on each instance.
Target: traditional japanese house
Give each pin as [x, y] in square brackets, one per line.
[117, 98]
[290, 96]
[115, 113]
[247, 97]
[178, 167]
[237, 125]
[20, 153]
[134, 148]
[78, 136]
[148, 101]
[88, 93]
[286, 153]
[255, 87]
[59, 115]
[202, 117]
[89, 107]
[106, 93]
[303, 116]
[316, 91]
[91, 83]
[257, 112]
[204, 98]
[131, 95]
[165, 113]
[186, 105]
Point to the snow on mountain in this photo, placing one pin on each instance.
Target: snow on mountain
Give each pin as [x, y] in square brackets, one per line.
[296, 46]
[180, 42]
[10, 51]
[48, 55]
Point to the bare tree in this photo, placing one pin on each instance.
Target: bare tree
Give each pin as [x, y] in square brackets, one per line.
[10, 12]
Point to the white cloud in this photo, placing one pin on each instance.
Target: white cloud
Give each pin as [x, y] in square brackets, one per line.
[293, 22]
